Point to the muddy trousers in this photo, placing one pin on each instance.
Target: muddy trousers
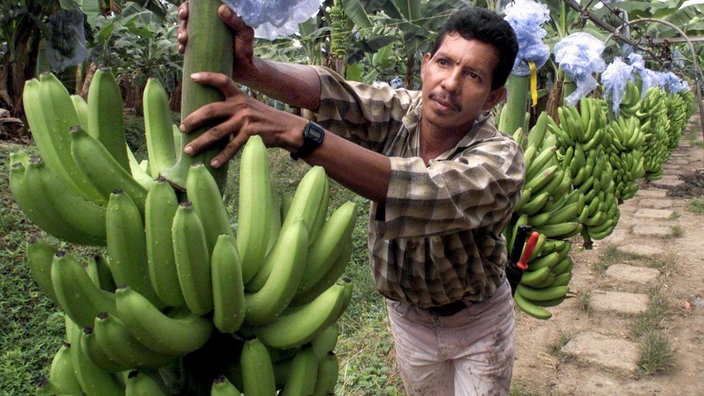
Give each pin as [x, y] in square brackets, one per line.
[469, 353]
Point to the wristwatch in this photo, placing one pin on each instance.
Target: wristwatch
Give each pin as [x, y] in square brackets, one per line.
[313, 135]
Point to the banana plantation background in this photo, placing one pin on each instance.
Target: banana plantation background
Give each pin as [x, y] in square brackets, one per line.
[369, 41]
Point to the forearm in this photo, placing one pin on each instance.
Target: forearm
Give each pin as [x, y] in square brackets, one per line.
[294, 84]
[363, 171]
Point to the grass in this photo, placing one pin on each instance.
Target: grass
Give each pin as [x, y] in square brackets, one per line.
[584, 302]
[649, 329]
[696, 206]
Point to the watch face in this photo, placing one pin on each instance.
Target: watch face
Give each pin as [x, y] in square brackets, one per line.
[315, 132]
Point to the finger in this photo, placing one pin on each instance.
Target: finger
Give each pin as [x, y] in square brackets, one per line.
[242, 31]
[181, 34]
[183, 11]
[222, 82]
[229, 151]
[207, 139]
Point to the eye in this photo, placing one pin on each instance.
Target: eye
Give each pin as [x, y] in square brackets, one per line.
[471, 74]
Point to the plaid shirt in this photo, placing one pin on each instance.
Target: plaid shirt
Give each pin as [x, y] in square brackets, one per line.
[438, 237]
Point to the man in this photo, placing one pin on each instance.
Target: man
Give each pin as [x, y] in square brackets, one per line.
[442, 180]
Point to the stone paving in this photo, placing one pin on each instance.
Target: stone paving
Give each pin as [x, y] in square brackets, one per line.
[649, 216]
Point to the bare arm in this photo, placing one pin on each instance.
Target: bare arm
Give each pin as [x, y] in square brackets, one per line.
[239, 116]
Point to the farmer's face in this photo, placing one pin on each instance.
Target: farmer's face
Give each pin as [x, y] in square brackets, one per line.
[457, 82]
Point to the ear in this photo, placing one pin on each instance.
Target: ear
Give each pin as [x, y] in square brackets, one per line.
[423, 63]
[494, 98]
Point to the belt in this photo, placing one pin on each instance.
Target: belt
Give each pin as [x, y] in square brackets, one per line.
[448, 309]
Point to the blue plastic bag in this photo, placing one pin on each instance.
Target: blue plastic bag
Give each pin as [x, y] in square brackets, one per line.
[525, 17]
[579, 56]
[614, 79]
[273, 19]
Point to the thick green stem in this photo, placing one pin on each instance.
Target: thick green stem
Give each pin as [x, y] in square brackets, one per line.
[513, 114]
[209, 48]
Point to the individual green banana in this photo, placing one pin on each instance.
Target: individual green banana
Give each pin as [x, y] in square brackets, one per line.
[118, 344]
[289, 259]
[257, 369]
[78, 296]
[50, 115]
[328, 371]
[563, 279]
[93, 379]
[39, 254]
[203, 192]
[159, 211]
[536, 203]
[326, 341]
[310, 201]
[92, 350]
[81, 107]
[328, 246]
[140, 383]
[82, 220]
[127, 246]
[542, 178]
[560, 230]
[192, 259]
[254, 206]
[535, 277]
[98, 165]
[329, 278]
[158, 127]
[223, 387]
[544, 159]
[299, 325]
[139, 170]
[530, 308]
[304, 374]
[106, 115]
[98, 269]
[228, 286]
[544, 261]
[61, 372]
[168, 335]
[542, 294]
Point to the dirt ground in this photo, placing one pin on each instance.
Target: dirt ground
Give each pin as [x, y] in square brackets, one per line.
[540, 367]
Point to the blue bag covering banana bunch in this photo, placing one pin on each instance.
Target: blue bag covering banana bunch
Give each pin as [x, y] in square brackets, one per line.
[174, 279]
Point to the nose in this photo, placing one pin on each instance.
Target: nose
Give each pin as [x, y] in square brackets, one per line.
[452, 81]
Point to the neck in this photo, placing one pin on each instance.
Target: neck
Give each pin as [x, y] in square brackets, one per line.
[435, 141]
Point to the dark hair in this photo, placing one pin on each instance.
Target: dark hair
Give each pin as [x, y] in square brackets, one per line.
[476, 23]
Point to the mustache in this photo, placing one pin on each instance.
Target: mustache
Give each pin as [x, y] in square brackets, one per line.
[446, 99]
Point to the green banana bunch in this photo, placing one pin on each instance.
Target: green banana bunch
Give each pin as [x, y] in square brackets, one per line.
[545, 284]
[630, 103]
[655, 126]
[174, 270]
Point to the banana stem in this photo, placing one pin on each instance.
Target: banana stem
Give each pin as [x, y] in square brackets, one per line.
[206, 50]
[513, 114]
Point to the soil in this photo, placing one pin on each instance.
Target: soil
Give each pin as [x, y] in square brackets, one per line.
[543, 368]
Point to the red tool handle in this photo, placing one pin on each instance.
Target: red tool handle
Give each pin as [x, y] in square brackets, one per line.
[528, 250]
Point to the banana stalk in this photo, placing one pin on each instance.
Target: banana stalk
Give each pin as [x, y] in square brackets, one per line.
[207, 36]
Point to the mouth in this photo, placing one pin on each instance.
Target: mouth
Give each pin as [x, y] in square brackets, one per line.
[445, 104]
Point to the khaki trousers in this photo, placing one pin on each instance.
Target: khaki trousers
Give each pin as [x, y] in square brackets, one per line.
[469, 353]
